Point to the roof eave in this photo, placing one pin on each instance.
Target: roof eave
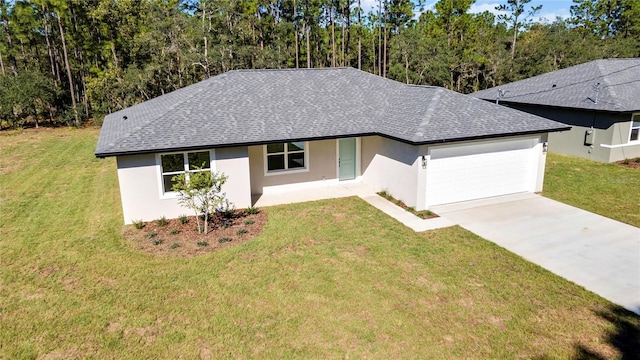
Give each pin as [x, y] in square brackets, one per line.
[106, 154]
[103, 155]
[510, 102]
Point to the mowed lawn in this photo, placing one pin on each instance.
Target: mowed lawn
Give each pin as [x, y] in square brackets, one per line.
[606, 189]
[327, 279]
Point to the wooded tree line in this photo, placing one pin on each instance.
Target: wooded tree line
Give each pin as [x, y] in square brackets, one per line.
[67, 61]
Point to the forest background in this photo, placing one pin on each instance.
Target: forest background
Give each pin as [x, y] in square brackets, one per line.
[73, 61]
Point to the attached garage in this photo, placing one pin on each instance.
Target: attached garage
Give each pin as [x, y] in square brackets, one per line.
[476, 170]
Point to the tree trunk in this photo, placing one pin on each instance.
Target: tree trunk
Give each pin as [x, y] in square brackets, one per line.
[308, 48]
[68, 68]
[2, 65]
[46, 36]
[333, 36]
[295, 26]
[12, 60]
[343, 35]
[384, 55]
[513, 43]
[379, 37]
[360, 37]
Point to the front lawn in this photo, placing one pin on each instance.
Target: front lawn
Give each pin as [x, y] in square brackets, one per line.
[611, 190]
[326, 279]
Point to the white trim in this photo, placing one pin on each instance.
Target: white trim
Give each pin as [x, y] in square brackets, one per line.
[631, 143]
[286, 171]
[174, 194]
[631, 128]
[358, 171]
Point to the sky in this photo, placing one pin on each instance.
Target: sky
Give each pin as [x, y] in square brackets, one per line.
[550, 8]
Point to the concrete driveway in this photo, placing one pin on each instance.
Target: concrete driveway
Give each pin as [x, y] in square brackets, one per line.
[593, 251]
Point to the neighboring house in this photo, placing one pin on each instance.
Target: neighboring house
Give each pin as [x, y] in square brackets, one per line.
[273, 130]
[599, 99]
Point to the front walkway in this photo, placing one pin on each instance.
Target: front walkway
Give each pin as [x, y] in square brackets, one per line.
[346, 189]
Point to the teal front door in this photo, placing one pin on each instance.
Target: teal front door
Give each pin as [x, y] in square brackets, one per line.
[347, 158]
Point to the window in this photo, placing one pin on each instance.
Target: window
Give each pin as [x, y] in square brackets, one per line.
[182, 163]
[286, 156]
[635, 128]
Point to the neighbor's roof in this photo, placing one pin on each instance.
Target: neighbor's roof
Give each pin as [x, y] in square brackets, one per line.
[244, 107]
[575, 87]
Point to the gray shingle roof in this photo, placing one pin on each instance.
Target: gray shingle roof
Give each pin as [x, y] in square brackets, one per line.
[573, 87]
[261, 106]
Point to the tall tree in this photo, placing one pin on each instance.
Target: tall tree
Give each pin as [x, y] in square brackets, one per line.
[516, 17]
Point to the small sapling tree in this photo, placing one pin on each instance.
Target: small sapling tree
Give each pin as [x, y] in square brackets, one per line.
[202, 192]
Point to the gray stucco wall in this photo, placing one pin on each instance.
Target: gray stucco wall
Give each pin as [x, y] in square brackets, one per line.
[609, 129]
[321, 166]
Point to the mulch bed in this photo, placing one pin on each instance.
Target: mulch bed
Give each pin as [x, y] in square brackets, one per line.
[183, 240]
[630, 163]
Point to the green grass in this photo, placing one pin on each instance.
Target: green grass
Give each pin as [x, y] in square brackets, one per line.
[607, 189]
[327, 279]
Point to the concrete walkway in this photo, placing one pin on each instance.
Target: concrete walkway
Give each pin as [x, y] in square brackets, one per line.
[345, 189]
[593, 251]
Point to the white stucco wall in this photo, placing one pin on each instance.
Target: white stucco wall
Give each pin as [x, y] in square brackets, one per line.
[391, 166]
[140, 192]
[142, 198]
[234, 163]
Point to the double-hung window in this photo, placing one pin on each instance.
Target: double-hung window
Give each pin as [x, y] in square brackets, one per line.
[286, 156]
[635, 128]
[182, 163]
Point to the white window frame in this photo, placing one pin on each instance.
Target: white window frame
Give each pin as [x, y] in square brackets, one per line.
[185, 162]
[286, 170]
[631, 128]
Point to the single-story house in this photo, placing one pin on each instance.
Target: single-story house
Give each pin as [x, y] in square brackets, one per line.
[599, 99]
[282, 129]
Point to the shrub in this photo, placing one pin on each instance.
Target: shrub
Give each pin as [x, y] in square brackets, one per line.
[202, 193]
[252, 210]
[157, 241]
[183, 219]
[424, 214]
[151, 235]
[241, 232]
[224, 240]
[202, 243]
[638, 159]
[162, 221]
[175, 231]
[249, 222]
[227, 223]
[138, 224]
[626, 161]
[175, 245]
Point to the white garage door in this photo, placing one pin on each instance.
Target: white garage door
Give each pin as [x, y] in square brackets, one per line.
[480, 170]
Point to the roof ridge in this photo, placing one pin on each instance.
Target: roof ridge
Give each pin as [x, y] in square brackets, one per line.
[291, 69]
[607, 83]
[152, 120]
[428, 114]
